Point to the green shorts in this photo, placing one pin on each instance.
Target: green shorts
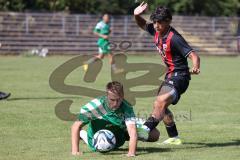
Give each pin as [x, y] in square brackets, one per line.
[95, 126]
[121, 134]
[103, 47]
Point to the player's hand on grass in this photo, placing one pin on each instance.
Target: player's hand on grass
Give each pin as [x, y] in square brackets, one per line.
[142, 7]
[130, 155]
[77, 153]
[195, 70]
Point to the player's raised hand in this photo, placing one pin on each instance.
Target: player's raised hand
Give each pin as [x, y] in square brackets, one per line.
[130, 155]
[140, 8]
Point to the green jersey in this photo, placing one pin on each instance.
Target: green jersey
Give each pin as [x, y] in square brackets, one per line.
[102, 28]
[98, 115]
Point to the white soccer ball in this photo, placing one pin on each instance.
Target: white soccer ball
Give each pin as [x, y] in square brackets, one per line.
[104, 140]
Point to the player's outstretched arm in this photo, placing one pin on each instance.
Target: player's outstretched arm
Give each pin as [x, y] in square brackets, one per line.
[141, 22]
[132, 132]
[76, 127]
[196, 63]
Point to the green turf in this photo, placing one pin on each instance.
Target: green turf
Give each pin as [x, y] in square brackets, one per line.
[208, 114]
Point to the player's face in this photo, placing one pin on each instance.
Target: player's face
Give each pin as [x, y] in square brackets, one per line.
[161, 26]
[106, 18]
[114, 100]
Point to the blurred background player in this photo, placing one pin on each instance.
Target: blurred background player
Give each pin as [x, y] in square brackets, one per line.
[174, 51]
[113, 113]
[4, 95]
[102, 31]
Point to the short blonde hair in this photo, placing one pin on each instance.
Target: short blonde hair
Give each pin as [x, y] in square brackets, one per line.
[115, 87]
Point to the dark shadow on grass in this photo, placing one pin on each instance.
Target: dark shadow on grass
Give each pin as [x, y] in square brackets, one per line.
[41, 98]
[235, 142]
[140, 150]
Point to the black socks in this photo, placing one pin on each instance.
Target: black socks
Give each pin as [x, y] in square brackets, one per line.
[151, 123]
[172, 131]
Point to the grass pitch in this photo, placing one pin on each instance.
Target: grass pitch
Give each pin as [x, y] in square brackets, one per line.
[208, 114]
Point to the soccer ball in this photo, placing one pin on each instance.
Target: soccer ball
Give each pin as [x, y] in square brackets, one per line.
[104, 140]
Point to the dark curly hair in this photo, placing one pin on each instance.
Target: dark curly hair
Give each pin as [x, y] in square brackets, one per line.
[161, 14]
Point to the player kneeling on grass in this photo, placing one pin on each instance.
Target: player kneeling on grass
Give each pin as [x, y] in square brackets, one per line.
[113, 113]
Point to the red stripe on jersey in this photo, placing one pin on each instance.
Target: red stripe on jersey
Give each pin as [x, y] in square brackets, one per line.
[169, 57]
[158, 45]
[165, 51]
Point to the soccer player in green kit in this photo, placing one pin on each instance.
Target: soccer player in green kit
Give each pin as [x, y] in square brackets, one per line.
[113, 113]
[102, 31]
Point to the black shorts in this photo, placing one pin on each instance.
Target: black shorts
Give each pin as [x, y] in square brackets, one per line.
[178, 83]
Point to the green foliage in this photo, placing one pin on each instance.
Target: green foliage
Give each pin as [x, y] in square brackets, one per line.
[203, 7]
[43, 5]
[101, 6]
[183, 7]
[14, 5]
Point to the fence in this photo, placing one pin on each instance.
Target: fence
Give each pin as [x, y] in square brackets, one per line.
[64, 33]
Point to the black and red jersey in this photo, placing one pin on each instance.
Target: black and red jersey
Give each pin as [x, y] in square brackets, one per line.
[173, 49]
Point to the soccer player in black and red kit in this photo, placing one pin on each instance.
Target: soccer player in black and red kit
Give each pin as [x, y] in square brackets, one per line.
[174, 51]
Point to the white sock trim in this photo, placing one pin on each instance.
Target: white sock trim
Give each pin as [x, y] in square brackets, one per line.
[83, 135]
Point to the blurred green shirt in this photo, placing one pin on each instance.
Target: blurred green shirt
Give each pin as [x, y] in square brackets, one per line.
[102, 28]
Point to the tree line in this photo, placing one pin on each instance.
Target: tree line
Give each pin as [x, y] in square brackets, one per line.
[180, 7]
